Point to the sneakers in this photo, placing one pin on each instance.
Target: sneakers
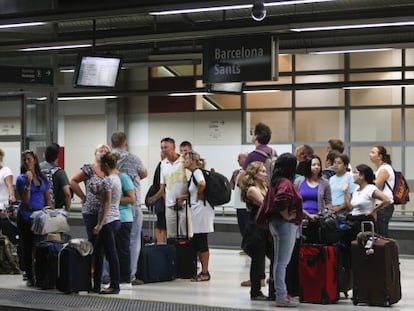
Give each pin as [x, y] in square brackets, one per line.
[124, 286]
[287, 302]
[259, 297]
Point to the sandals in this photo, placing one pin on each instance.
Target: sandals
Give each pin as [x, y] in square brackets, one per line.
[201, 277]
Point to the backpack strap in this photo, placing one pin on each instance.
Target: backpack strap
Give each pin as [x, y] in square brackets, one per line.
[388, 185]
[196, 183]
[54, 170]
[265, 154]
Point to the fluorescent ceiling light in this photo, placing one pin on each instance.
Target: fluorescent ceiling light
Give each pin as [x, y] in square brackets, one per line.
[67, 70]
[233, 7]
[22, 25]
[261, 91]
[358, 26]
[375, 86]
[189, 93]
[278, 3]
[205, 9]
[57, 47]
[88, 97]
[352, 51]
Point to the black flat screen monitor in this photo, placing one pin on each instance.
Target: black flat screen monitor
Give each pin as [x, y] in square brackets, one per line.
[97, 71]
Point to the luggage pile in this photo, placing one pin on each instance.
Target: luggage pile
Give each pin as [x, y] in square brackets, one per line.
[165, 262]
[318, 261]
[325, 268]
[65, 266]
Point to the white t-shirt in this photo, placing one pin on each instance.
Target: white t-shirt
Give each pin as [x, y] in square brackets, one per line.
[173, 176]
[362, 201]
[112, 183]
[4, 191]
[390, 180]
[237, 201]
[202, 216]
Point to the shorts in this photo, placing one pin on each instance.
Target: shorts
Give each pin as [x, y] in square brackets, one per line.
[200, 242]
[161, 223]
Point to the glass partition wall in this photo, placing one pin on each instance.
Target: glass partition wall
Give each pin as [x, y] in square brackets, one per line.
[359, 97]
[352, 97]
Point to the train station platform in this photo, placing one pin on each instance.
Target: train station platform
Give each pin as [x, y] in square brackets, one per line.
[223, 292]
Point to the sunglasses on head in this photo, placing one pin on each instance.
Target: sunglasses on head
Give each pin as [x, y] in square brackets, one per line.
[28, 152]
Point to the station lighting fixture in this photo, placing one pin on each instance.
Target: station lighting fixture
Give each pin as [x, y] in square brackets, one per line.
[357, 26]
[56, 47]
[18, 25]
[233, 7]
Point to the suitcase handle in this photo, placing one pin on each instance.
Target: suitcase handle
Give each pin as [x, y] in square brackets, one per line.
[371, 225]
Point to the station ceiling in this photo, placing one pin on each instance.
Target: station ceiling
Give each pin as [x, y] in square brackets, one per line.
[129, 29]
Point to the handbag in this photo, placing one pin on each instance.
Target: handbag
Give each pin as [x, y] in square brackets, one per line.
[252, 238]
[153, 189]
[159, 205]
[48, 221]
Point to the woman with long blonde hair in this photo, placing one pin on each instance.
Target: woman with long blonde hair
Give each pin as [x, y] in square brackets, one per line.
[256, 240]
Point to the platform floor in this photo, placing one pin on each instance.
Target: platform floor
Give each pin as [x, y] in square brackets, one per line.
[223, 292]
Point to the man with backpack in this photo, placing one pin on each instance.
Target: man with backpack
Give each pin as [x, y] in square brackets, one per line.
[263, 153]
[61, 195]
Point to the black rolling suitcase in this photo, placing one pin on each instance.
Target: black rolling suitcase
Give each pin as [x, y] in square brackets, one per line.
[157, 263]
[74, 271]
[376, 269]
[186, 256]
[45, 264]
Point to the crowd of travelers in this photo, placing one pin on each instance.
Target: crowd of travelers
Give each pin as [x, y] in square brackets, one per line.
[299, 186]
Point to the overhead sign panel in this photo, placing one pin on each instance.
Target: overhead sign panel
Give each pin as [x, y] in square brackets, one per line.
[240, 59]
[10, 74]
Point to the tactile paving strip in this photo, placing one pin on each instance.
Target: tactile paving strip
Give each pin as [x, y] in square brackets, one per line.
[12, 299]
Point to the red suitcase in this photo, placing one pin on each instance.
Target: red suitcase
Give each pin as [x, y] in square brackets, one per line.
[318, 279]
[376, 270]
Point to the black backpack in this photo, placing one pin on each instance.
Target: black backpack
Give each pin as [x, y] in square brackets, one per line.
[218, 190]
[48, 173]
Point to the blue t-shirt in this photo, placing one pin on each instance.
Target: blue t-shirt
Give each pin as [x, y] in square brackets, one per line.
[37, 194]
[310, 198]
[126, 210]
[337, 183]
